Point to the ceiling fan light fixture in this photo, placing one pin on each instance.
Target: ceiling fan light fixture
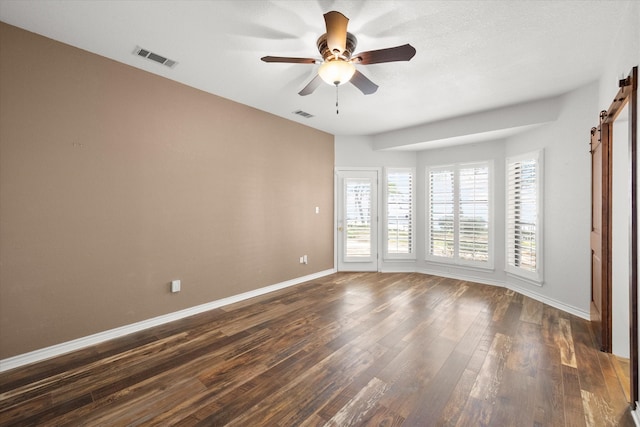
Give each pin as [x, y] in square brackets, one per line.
[336, 72]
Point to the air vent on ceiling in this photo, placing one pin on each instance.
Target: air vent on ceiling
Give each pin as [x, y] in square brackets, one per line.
[303, 114]
[154, 57]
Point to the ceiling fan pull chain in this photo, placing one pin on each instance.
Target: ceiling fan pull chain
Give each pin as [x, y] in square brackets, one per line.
[337, 111]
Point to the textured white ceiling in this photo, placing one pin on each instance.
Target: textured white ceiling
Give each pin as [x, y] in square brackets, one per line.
[471, 55]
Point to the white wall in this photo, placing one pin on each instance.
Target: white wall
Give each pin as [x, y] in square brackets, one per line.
[357, 151]
[567, 199]
[623, 55]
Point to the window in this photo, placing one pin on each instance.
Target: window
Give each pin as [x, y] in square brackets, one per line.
[473, 213]
[459, 228]
[358, 221]
[524, 216]
[399, 227]
[441, 209]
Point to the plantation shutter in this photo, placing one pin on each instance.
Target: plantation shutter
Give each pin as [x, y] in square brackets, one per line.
[441, 212]
[473, 211]
[459, 214]
[400, 211]
[522, 215]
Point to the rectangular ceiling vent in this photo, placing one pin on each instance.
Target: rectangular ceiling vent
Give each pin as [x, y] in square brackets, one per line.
[154, 57]
[303, 114]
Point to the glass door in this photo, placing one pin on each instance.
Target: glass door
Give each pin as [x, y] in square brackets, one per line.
[357, 220]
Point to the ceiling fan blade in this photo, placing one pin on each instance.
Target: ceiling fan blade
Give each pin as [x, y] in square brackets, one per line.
[365, 85]
[398, 53]
[336, 31]
[311, 86]
[288, 60]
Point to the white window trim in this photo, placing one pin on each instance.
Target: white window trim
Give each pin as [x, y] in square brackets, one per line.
[399, 257]
[478, 265]
[534, 277]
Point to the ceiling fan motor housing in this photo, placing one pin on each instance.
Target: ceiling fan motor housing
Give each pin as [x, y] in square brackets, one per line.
[328, 55]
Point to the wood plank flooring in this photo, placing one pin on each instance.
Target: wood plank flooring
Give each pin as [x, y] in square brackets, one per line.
[350, 349]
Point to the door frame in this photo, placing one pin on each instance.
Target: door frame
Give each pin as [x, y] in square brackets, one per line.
[627, 95]
[602, 326]
[337, 203]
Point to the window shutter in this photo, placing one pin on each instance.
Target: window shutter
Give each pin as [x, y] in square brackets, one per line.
[400, 192]
[459, 223]
[441, 213]
[473, 210]
[522, 216]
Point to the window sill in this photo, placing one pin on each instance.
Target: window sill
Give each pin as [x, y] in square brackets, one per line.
[483, 268]
[399, 259]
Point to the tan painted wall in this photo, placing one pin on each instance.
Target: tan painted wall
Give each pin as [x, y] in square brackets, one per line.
[114, 181]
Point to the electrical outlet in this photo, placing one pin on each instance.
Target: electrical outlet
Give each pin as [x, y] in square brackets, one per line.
[304, 258]
[301, 260]
[175, 286]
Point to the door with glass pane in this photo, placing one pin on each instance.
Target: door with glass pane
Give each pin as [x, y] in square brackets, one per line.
[357, 220]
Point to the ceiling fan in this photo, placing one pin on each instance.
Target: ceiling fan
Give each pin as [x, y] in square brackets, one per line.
[336, 47]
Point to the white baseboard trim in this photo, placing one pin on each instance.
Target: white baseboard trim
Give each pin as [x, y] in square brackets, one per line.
[397, 270]
[77, 344]
[464, 277]
[549, 301]
[635, 416]
[536, 296]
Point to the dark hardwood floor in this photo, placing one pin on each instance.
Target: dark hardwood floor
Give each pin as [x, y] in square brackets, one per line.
[349, 349]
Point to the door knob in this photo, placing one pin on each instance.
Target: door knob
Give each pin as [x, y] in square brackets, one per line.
[339, 228]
